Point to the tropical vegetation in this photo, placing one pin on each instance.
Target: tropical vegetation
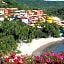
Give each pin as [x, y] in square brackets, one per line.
[13, 31]
[12, 4]
[59, 12]
[41, 4]
[44, 58]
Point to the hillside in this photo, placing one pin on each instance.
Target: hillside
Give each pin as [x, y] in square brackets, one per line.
[11, 4]
[41, 3]
[54, 8]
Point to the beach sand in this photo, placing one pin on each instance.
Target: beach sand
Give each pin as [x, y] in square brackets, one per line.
[36, 45]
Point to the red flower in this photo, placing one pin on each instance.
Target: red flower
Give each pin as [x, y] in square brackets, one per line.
[14, 62]
[18, 57]
[62, 52]
[24, 60]
[3, 55]
[42, 61]
[13, 55]
[48, 60]
[7, 59]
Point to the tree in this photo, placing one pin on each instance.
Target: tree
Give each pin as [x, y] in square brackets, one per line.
[8, 44]
[51, 29]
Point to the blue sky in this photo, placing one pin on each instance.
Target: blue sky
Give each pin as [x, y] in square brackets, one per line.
[54, 0]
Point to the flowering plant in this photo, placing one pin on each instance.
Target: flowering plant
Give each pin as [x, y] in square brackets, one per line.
[44, 58]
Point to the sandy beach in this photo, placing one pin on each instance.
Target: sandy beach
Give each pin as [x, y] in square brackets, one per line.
[36, 45]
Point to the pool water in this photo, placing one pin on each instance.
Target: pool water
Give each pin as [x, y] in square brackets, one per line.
[57, 47]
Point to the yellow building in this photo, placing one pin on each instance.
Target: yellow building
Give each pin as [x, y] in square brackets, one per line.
[54, 19]
[49, 19]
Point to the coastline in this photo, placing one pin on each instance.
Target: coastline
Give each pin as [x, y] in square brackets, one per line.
[35, 53]
[37, 45]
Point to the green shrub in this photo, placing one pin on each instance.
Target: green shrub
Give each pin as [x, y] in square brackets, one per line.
[8, 44]
[17, 51]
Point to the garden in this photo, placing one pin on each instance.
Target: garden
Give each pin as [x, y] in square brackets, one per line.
[44, 58]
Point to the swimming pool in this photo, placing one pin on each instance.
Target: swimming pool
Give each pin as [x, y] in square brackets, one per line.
[57, 47]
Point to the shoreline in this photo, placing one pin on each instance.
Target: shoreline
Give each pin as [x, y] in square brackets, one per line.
[37, 45]
[35, 53]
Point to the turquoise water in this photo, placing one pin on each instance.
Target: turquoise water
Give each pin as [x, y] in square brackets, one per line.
[58, 47]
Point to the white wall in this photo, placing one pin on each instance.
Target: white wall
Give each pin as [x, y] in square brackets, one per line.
[25, 20]
[1, 18]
